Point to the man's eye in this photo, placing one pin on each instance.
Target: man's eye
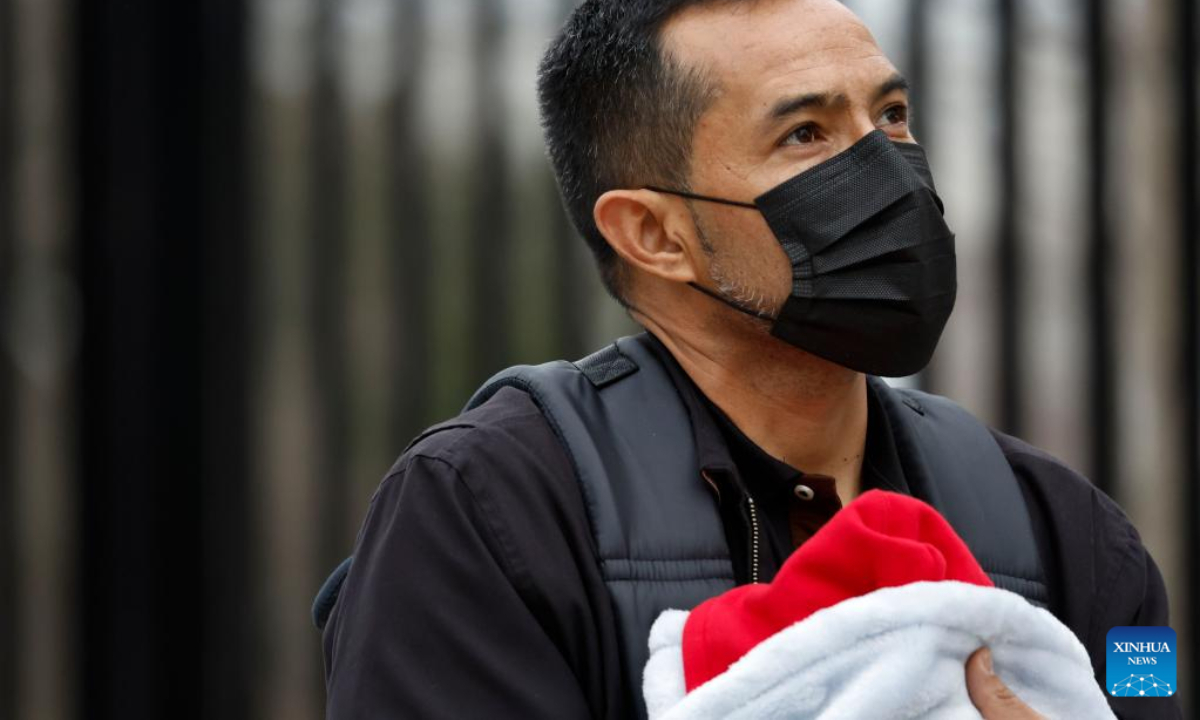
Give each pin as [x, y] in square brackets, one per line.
[895, 115]
[802, 135]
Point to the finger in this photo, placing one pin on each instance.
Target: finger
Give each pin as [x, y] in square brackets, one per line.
[989, 694]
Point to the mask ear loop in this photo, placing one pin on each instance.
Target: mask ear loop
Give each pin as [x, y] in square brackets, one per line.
[732, 303]
[705, 198]
[711, 293]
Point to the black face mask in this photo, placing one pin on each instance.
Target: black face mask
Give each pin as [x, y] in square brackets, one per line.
[873, 267]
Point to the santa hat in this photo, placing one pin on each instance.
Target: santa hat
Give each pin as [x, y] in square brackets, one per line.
[880, 540]
[875, 613]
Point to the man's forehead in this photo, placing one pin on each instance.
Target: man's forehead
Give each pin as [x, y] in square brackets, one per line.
[757, 48]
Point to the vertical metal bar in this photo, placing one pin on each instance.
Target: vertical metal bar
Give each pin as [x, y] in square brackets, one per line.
[326, 274]
[917, 67]
[489, 245]
[8, 535]
[140, 242]
[228, 580]
[1101, 394]
[1009, 260]
[411, 226]
[1188, 79]
[96, 448]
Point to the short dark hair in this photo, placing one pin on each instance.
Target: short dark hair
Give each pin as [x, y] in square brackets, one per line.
[617, 110]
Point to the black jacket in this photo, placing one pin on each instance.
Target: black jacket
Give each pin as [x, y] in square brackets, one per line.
[476, 590]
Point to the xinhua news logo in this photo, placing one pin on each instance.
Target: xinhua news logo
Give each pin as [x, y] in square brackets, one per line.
[1141, 662]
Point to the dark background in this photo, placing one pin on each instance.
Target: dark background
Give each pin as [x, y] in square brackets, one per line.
[249, 248]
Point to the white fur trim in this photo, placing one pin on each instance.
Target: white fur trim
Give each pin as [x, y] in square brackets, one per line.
[662, 681]
[894, 653]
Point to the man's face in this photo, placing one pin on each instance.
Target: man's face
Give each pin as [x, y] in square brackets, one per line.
[800, 81]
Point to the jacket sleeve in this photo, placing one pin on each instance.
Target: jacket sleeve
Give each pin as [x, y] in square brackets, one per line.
[430, 623]
[1129, 591]
[1102, 576]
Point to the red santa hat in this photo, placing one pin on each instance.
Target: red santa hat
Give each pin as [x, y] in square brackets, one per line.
[880, 540]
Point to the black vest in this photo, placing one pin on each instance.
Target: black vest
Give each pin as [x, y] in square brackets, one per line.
[657, 529]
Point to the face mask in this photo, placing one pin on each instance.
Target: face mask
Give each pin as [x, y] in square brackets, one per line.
[873, 268]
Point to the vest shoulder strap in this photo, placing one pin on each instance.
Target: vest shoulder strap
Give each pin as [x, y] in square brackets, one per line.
[630, 442]
[658, 534]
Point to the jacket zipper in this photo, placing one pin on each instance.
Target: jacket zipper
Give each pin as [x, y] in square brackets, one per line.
[754, 531]
[753, 539]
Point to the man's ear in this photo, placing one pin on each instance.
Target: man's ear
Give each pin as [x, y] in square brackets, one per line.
[646, 230]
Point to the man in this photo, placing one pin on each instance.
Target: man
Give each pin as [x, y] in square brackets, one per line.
[745, 174]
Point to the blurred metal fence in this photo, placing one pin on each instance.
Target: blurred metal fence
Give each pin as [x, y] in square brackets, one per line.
[248, 249]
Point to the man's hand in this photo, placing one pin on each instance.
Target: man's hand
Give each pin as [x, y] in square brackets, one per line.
[991, 696]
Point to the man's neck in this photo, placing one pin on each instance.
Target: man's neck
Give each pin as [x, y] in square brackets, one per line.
[798, 408]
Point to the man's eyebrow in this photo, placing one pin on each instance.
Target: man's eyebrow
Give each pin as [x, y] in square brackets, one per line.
[894, 83]
[793, 105]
